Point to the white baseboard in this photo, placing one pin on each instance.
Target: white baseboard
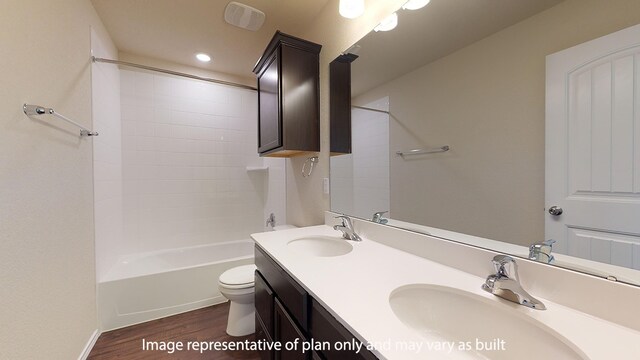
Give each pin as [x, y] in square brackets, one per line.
[87, 348]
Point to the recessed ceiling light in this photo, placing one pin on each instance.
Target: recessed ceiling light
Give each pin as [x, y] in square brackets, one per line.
[203, 57]
[389, 23]
[351, 9]
[415, 4]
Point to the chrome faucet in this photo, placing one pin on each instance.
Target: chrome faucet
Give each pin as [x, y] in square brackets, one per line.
[506, 284]
[542, 251]
[347, 228]
[377, 217]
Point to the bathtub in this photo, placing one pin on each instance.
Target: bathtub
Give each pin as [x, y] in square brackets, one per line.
[143, 287]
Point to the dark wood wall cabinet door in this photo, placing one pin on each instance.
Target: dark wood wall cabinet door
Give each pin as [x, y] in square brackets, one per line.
[288, 97]
[340, 104]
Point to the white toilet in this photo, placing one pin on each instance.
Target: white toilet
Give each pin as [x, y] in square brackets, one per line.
[237, 285]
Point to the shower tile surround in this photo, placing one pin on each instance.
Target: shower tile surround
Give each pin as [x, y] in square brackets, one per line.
[185, 148]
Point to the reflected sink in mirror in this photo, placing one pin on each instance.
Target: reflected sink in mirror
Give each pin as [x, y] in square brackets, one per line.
[443, 314]
[320, 246]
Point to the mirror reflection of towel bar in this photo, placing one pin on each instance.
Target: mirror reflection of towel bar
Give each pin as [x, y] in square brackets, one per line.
[423, 151]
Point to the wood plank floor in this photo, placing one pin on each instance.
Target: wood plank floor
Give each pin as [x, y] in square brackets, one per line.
[207, 324]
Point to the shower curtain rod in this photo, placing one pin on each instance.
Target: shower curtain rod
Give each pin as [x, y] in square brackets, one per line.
[171, 72]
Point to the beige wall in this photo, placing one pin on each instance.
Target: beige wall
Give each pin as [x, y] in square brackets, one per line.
[487, 102]
[306, 202]
[48, 301]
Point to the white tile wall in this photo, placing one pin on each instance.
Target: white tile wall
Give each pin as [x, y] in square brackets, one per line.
[360, 181]
[185, 148]
[107, 159]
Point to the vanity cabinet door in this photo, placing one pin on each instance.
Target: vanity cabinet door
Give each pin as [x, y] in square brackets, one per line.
[261, 334]
[264, 303]
[324, 327]
[293, 296]
[286, 330]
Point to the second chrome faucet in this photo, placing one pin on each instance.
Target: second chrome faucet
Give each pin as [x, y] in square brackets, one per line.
[506, 284]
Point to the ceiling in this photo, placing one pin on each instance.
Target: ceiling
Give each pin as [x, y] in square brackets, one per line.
[175, 30]
[428, 34]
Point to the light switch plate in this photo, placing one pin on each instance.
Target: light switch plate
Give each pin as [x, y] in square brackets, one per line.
[325, 186]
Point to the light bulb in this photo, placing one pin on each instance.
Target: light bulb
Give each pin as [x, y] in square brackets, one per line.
[415, 4]
[351, 9]
[203, 57]
[389, 23]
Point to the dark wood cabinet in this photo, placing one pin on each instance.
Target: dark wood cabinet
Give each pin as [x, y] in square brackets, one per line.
[288, 97]
[287, 331]
[340, 104]
[325, 327]
[293, 313]
[264, 304]
[263, 335]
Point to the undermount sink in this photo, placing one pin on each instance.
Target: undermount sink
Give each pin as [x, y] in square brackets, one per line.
[321, 246]
[444, 315]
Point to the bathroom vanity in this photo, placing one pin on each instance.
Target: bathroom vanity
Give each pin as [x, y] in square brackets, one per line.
[286, 311]
[411, 296]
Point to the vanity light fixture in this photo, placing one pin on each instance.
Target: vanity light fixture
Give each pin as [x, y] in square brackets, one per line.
[203, 57]
[388, 23]
[415, 4]
[351, 9]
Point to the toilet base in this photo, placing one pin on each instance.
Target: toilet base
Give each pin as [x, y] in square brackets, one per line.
[241, 321]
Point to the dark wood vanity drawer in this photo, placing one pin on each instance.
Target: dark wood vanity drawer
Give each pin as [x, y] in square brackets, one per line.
[324, 327]
[287, 330]
[295, 298]
[264, 303]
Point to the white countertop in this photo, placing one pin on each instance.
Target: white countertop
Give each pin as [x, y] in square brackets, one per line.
[355, 288]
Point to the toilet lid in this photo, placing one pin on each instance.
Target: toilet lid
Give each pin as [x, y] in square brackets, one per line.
[241, 275]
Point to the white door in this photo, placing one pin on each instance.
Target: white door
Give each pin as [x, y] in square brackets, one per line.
[593, 149]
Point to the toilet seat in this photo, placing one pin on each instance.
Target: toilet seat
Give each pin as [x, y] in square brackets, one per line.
[241, 277]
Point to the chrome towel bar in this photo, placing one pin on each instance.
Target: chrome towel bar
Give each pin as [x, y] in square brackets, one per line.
[34, 110]
[423, 151]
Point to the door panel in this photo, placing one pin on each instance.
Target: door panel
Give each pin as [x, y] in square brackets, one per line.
[592, 149]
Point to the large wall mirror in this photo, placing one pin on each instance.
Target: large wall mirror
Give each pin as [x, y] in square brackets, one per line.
[449, 136]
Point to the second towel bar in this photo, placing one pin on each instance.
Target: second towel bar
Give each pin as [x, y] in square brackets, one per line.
[423, 151]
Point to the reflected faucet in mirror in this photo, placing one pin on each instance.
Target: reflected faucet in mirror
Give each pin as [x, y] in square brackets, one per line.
[542, 251]
[378, 219]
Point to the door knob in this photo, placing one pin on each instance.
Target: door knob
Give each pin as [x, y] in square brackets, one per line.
[555, 210]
